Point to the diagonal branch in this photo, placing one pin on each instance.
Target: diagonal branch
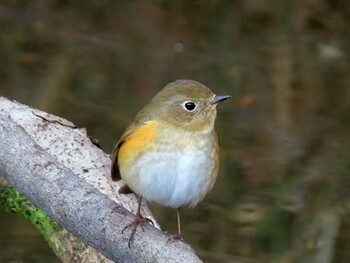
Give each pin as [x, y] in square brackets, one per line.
[61, 172]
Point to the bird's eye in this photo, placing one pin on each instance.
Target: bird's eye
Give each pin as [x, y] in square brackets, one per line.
[189, 106]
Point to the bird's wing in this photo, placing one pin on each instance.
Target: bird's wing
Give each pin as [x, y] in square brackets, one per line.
[139, 121]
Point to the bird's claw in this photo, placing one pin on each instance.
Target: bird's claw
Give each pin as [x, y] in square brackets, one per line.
[174, 238]
[138, 221]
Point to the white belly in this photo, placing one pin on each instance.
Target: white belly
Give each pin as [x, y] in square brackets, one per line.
[173, 178]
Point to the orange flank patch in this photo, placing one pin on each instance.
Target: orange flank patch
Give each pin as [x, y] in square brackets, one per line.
[137, 141]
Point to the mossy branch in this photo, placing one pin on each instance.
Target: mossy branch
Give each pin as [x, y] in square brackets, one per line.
[59, 240]
[60, 171]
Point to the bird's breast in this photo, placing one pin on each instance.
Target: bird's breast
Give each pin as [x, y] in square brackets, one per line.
[177, 169]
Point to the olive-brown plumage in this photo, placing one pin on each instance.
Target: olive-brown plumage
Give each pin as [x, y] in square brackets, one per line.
[169, 154]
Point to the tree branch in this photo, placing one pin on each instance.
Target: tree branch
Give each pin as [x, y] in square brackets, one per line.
[60, 171]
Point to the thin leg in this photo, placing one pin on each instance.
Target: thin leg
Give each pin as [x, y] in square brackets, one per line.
[139, 219]
[173, 238]
[178, 222]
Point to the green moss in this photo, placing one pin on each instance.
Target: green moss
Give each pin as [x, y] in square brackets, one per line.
[13, 201]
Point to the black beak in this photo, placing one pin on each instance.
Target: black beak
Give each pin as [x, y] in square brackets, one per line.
[218, 99]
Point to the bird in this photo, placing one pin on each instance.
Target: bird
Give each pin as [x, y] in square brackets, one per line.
[169, 154]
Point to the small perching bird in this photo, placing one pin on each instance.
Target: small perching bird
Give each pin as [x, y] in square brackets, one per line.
[169, 154]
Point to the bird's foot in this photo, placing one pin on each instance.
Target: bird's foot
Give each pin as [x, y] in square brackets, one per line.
[174, 238]
[138, 221]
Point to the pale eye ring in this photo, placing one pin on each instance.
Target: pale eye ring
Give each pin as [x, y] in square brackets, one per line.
[189, 106]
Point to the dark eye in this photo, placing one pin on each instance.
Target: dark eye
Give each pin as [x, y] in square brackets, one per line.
[190, 106]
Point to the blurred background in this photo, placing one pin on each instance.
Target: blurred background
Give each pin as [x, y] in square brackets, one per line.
[283, 192]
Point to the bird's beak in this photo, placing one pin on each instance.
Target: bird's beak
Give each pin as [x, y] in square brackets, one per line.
[218, 99]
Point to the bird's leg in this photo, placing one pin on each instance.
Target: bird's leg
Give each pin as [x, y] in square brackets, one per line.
[178, 222]
[139, 219]
[178, 236]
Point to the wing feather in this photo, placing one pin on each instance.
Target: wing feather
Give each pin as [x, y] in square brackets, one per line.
[139, 120]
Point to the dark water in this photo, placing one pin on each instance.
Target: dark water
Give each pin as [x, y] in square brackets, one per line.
[283, 190]
[20, 241]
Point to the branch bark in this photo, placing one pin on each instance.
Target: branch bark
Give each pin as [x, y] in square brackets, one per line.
[59, 170]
